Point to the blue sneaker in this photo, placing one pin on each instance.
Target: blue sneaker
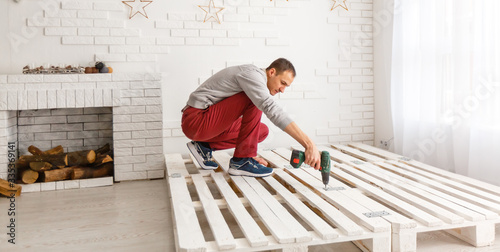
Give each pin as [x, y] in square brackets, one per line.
[248, 167]
[203, 155]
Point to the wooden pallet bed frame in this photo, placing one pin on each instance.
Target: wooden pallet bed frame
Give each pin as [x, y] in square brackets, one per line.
[378, 200]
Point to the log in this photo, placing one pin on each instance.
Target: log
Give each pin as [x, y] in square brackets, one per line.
[36, 151]
[40, 166]
[104, 149]
[56, 174]
[102, 159]
[56, 159]
[80, 158]
[29, 176]
[9, 189]
[56, 150]
[92, 172]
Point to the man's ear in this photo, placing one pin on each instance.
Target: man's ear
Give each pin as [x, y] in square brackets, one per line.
[272, 71]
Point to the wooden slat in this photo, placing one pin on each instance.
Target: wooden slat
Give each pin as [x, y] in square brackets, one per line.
[272, 158]
[452, 191]
[376, 151]
[466, 209]
[301, 234]
[444, 214]
[454, 176]
[437, 211]
[389, 199]
[390, 179]
[345, 224]
[324, 230]
[277, 228]
[188, 231]
[222, 158]
[397, 219]
[349, 207]
[282, 152]
[251, 230]
[459, 186]
[357, 153]
[222, 234]
[175, 164]
[487, 187]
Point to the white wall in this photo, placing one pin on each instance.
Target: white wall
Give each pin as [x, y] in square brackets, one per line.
[331, 98]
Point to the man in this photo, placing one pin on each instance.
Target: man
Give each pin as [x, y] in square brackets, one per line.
[225, 112]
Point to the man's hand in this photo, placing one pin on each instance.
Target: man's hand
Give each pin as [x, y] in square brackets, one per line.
[313, 158]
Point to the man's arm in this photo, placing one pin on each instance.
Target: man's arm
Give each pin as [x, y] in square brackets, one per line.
[313, 158]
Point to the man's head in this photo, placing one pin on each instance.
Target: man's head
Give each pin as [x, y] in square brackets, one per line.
[280, 75]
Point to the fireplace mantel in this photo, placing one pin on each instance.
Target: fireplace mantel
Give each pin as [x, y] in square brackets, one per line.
[137, 113]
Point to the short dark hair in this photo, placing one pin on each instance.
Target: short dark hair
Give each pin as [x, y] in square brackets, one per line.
[282, 65]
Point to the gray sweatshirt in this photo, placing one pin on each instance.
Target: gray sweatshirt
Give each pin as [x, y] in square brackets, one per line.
[232, 80]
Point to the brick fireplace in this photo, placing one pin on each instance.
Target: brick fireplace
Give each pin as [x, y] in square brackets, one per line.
[130, 102]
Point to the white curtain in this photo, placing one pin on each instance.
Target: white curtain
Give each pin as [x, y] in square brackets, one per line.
[445, 84]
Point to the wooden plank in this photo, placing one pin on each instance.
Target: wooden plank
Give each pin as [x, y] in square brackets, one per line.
[375, 151]
[222, 234]
[452, 191]
[282, 152]
[274, 160]
[175, 165]
[187, 228]
[349, 207]
[300, 233]
[251, 230]
[435, 210]
[324, 230]
[466, 209]
[454, 176]
[404, 207]
[277, 228]
[459, 186]
[478, 184]
[397, 220]
[222, 158]
[357, 153]
[445, 215]
[345, 224]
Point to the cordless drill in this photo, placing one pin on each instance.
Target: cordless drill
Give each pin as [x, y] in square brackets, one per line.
[298, 158]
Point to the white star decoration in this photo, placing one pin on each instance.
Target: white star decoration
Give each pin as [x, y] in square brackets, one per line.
[343, 4]
[211, 11]
[137, 6]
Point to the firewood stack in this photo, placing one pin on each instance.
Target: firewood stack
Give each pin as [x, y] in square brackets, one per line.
[55, 165]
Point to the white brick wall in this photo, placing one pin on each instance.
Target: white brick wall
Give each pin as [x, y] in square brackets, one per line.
[352, 74]
[95, 24]
[79, 116]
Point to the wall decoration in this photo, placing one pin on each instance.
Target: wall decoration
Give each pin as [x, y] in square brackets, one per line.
[53, 70]
[209, 11]
[137, 6]
[337, 4]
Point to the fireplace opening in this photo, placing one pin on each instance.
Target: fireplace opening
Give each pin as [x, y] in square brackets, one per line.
[58, 148]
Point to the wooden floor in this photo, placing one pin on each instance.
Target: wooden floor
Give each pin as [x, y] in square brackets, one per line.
[130, 216]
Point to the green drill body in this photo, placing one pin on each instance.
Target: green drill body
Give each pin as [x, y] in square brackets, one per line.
[298, 157]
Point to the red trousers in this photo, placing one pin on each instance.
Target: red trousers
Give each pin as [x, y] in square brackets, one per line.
[231, 123]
